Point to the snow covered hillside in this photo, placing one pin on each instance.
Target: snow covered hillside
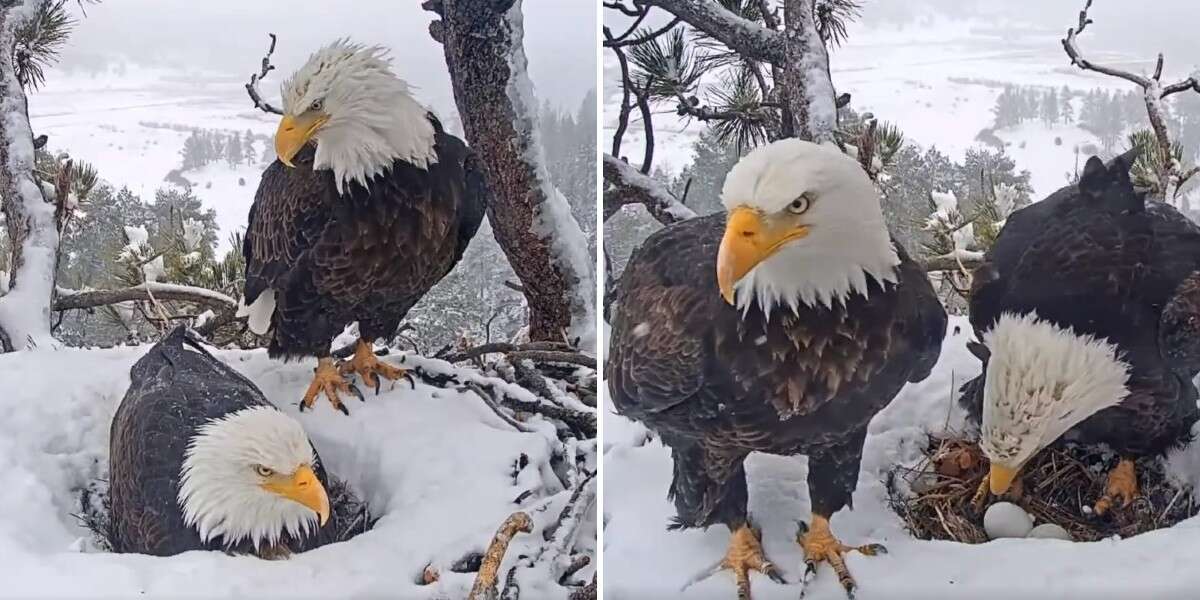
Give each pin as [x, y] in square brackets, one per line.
[938, 81]
[644, 560]
[435, 465]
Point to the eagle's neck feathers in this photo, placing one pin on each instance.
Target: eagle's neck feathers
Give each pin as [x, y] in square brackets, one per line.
[1041, 381]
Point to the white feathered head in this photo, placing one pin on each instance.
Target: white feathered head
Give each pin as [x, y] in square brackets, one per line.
[804, 227]
[1041, 381]
[250, 476]
[361, 116]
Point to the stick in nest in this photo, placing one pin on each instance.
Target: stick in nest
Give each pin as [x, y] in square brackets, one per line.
[485, 582]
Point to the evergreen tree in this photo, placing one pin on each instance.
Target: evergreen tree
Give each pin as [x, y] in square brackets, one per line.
[1050, 113]
[234, 154]
[1067, 111]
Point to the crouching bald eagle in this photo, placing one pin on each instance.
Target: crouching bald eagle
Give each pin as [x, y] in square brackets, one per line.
[781, 327]
[199, 459]
[368, 206]
[1088, 307]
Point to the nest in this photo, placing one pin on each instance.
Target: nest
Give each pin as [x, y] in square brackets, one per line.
[349, 514]
[1059, 485]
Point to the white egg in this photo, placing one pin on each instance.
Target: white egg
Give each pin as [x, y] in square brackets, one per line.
[1006, 520]
[1050, 531]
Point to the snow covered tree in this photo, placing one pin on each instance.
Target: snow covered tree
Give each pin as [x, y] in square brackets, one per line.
[532, 221]
[29, 216]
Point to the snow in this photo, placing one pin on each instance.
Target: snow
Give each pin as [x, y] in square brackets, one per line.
[435, 465]
[25, 308]
[642, 559]
[553, 220]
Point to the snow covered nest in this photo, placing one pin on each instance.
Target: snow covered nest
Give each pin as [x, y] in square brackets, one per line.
[1058, 486]
[439, 467]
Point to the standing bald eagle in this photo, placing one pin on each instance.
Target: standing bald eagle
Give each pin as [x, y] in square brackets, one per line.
[359, 227]
[1088, 307]
[200, 460]
[814, 320]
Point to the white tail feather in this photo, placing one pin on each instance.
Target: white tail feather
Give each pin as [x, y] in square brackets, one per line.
[258, 314]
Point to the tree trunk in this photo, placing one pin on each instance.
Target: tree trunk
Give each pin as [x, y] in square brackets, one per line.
[25, 309]
[808, 88]
[482, 41]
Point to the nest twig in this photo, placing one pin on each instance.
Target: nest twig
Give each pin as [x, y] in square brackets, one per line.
[1060, 485]
[485, 581]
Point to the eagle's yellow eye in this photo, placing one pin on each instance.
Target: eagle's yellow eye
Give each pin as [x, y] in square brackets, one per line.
[800, 205]
[263, 471]
[317, 105]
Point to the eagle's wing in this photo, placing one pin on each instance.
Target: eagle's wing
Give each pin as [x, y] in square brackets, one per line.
[923, 316]
[290, 211]
[657, 358]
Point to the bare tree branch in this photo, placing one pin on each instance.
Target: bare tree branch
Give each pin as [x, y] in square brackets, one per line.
[485, 581]
[628, 186]
[252, 87]
[1170, 176]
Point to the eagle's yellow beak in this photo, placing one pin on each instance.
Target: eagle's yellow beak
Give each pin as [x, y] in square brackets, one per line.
[749, 239]
[294, 132]
[302, 487]
[1000, 478]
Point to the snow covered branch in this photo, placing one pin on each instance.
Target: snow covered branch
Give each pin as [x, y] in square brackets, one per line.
[29, 217]
[740, 35]
[483, 46]
[1171, 176]
[252, 87]
[797, 53]
[954, 261]
[626, 185]
[485, 581]
[70, 299]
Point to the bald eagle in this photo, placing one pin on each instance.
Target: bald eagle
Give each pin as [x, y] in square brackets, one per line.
[781, 326]
[368, 206]
[199, 459]
[1088, 309]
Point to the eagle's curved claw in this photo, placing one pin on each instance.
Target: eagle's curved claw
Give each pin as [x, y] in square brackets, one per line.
[369, 368]
[328, 380]
[820, 546]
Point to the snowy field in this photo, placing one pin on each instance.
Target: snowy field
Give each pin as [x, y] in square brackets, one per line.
[643, 560]
[938, 81]
[436, 466]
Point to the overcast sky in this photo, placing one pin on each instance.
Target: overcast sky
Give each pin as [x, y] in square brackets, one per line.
[229, 36]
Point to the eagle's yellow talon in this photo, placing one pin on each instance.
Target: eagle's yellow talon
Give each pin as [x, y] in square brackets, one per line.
[745, 554]
[820, 546]
[369, 368]
[1122, 485]
[328, 380]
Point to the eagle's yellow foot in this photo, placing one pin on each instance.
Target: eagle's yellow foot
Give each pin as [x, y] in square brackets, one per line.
[370, 369]
[820, 546]
[328, 380]
[1122, 485]
[745, 554]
